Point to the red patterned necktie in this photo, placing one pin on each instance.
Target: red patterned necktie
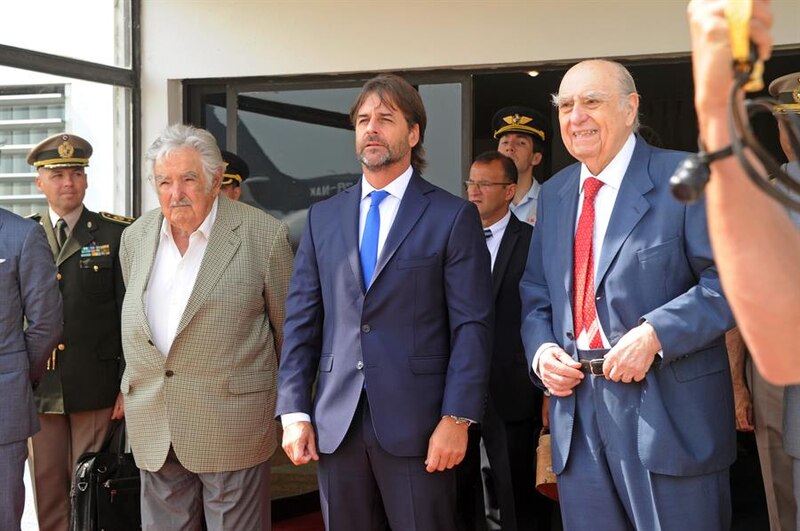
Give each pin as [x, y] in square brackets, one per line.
[584, 310]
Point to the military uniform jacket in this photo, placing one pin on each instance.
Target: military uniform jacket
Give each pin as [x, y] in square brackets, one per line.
[83, 373]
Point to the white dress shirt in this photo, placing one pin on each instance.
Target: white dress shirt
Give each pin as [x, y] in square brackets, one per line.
[172, 280]
[498, 229]
[388, 207]
[388, 211]
[70, 219]
[611, 176]
[526, 209]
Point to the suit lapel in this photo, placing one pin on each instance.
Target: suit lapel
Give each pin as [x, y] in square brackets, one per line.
[145, 255]
[47, 225]
[629, 208]
[349, 221]
[567, 212]
[510, 237]
[222, 246]
[411, 208]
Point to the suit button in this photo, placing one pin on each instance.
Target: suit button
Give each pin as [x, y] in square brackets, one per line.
[366, 328]
[58, 276]
[169, 374]
[61, 347]
[95, 268]
[360, 365]
[570, 336]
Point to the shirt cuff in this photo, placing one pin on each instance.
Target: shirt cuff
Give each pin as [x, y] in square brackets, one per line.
[291, 418]
[535, 364]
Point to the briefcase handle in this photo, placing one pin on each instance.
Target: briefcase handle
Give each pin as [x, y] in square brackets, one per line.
[116, 428]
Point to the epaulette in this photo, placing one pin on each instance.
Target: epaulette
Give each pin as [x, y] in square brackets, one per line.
[35, 217]
[116, 218]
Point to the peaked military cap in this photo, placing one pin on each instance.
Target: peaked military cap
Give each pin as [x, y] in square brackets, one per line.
[519, 119]
[236, 169]
[63, 150]
[786, 89]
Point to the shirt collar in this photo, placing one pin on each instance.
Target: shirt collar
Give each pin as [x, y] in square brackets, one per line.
[613, 173]
[71, 218]
[500, 224]
[396, 188]
[204, 228]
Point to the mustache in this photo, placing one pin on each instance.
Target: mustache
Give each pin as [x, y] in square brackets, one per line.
[181, 203]
[374, 138]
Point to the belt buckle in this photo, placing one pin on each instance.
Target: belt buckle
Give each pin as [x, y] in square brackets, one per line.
[596, 366]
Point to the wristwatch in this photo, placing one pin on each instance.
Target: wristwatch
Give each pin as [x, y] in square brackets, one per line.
[460, 420]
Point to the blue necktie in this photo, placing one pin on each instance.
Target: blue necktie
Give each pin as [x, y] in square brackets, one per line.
[369, 240]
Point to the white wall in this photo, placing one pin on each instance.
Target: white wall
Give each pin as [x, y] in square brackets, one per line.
[207, 38]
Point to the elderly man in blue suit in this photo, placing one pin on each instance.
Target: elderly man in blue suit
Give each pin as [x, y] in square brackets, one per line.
[390, 306]
[30, 294]
[624, 322]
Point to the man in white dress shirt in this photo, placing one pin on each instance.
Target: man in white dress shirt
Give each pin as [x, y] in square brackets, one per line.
[199, 385]
[624, 323]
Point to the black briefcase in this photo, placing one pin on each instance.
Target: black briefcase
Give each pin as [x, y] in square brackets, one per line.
[105, 489]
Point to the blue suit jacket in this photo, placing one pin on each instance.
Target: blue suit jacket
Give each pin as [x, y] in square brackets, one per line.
[655, 265]
[30, 293]
[419, 337]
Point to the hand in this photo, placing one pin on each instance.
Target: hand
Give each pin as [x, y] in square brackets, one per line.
[118, 412]
[711, 51]
[630, 359]
[299, 443]
[559, 372]
[546, 412]
[447, 446]
[743, 406]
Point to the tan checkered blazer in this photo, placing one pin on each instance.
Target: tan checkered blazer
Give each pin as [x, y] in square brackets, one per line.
[213, 395]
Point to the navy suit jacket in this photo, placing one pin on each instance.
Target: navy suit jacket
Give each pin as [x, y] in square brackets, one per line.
[419, 338]
[30, 294]
[655, 265]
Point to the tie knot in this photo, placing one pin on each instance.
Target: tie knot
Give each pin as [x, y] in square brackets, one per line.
[591, 186]
[378, 196]
[487, 233]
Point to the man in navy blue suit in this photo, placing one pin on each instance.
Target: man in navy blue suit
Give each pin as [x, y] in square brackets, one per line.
[624, 322]
[389, 308]
[30, 324]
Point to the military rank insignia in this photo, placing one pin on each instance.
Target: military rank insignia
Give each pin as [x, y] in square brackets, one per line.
[94, 249]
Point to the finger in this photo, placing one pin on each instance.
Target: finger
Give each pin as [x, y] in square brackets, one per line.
[565, 359]
[311, 447]
[432, 462]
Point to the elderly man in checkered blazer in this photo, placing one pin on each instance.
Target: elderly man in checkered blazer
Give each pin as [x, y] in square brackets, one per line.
[202, 326]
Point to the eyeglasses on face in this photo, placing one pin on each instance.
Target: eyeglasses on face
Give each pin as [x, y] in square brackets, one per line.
[483, 184]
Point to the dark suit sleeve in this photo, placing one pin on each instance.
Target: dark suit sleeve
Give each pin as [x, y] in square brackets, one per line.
[41, 299]
[468, 291]
[537, 312]
[302, 328]
[701, 315]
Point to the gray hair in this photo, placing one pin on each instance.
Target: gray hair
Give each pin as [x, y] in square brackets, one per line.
[625, 84]
[179, 136]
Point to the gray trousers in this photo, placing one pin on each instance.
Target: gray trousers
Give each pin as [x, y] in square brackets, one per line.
[175, 499]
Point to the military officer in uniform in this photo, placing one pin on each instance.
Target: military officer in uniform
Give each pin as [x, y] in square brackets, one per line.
[78, 394]
[236, 171]
[522, 135]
